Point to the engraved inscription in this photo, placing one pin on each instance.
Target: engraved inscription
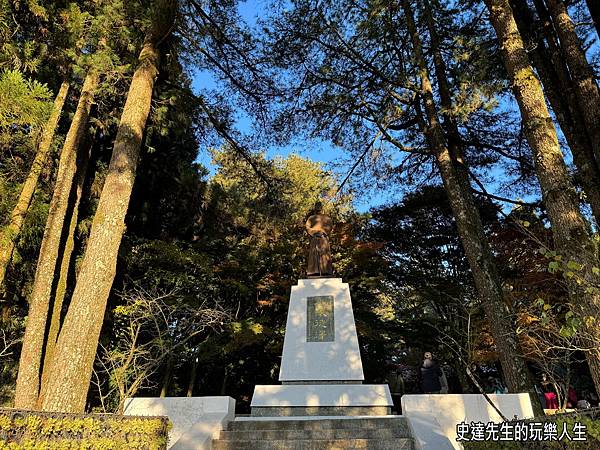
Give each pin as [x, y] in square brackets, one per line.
[319, 319]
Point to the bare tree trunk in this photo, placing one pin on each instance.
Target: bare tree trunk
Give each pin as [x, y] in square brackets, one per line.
[223, 390]
[71, 366]
[28, 378]
[558, 90]
[584, 81]
[9, 235]
[462, 377]
[164, 390]
[193, 375]
[65, 267]
[481, 261]
[594, 7]
[570, 232]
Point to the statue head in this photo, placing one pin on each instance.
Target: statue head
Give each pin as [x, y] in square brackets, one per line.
[318, 208]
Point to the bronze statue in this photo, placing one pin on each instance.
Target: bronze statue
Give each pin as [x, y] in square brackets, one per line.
[319, 227]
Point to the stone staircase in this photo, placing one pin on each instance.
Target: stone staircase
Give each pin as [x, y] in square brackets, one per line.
[377, 433]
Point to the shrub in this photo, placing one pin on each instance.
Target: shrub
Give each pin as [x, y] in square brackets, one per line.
[60, 431]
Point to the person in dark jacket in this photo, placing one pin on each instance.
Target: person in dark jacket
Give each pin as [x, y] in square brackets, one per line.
[396, 384]
[429, 374]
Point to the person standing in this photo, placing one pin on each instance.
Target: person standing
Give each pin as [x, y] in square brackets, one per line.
[549, 393]
[396, 384]
[429, 374]
[499, 387]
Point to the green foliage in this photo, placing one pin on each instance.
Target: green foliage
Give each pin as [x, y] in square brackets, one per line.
[357, 91]
[30, 430]
[26, 37]
[239, 240]
[297, 184]
[101, 38]
[427, 275]
[11, 333]
[23, 102]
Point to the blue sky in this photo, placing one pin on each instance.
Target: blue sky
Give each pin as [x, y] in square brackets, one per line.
[332, 157]
[316, 150]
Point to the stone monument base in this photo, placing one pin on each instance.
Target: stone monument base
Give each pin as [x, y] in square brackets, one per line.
[433, 417]
[321, 400]
[320, 344]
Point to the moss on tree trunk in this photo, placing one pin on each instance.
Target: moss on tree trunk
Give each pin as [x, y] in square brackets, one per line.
[558, 88]
[71, 365]
[28, 379]
[571, 235]
[584, 81]
[10, 233]
[455, 177]
[65, 265]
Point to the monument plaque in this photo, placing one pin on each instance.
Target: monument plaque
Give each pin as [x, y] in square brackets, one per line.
[320, 326]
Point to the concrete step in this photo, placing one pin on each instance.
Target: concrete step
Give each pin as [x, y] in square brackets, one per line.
[319, 424]
[315, 444]
[334, 433]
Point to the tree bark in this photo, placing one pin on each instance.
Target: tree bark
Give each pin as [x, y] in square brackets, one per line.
[164, 390]
[463, 379]
[193, 375]
[594, 8]
[584, 81]
[71, 366]
[468, 221]
[9, 235]
[223, 390]
[569, 229]
[558, 90]
[28, 378]
[65, 267]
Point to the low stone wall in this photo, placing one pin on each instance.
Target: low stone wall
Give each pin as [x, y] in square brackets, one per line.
[321, 400]
[50, 430]
[196, 420]
[433, 417]
[300, 411]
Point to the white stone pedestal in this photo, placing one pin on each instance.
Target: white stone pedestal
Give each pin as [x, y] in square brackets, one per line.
[335, 358]
[322, 400]
[321, 369]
